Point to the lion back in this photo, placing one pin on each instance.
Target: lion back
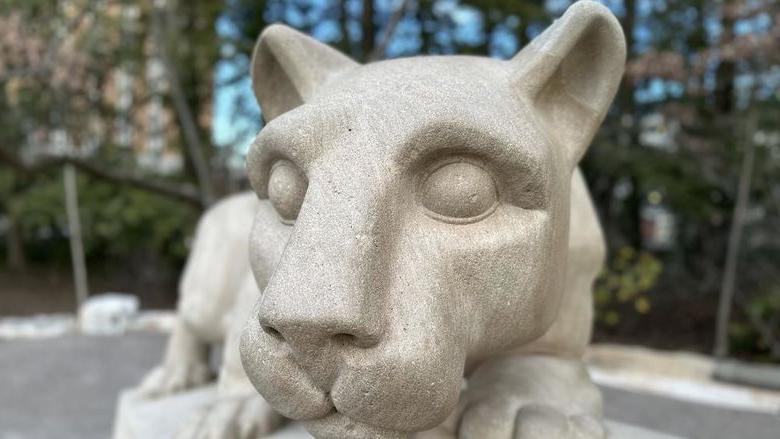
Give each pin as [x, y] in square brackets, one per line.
[217, 264]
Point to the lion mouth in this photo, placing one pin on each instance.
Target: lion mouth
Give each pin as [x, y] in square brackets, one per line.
[356, 392]
[340, 425]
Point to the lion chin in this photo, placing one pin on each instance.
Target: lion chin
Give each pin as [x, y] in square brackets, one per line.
[338, 425]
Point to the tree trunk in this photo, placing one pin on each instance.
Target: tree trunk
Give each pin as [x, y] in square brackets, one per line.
[724, 111]
[76, 242]
[344, 19]
[17, 260]
[369, 30]
[726, 71]
[628, 107]
[193, 147]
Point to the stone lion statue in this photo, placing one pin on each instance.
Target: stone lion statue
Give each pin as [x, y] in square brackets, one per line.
[424, 243]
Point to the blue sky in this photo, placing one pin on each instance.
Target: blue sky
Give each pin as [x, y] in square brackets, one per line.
[230, 129]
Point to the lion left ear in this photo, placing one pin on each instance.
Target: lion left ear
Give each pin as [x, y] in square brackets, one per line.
[571, 72]
[288, 66]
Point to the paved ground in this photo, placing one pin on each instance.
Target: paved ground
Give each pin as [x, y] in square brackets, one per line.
[66, 388]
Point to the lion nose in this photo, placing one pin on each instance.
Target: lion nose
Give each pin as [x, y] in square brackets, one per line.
[328, 288]
[311, 305]
[306, 333]
[317, 338]
[314, 310]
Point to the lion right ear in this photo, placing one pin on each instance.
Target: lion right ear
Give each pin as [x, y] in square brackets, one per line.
[571, 73]
[288, 66]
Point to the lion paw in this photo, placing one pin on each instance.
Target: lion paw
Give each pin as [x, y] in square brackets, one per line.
[541, 421]
[531, 421]
[165, 380]
[246, 417]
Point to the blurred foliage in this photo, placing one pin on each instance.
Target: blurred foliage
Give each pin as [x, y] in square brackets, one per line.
[622, 289]
[116, 221]
[757, 334]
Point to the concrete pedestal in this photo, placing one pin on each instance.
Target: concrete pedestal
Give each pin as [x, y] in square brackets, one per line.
[138, 418]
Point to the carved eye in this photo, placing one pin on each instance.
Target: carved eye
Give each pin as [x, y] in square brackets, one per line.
[459, 192]
[286, 189]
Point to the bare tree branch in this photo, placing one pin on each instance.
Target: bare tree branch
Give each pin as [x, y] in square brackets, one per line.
[192, 141]
[183, 193]
[378, 52]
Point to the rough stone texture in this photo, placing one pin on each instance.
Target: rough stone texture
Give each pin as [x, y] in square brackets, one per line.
[424, 242]
[141, 418]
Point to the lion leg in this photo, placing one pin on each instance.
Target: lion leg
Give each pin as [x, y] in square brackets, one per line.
[184, 366]
[239, 412]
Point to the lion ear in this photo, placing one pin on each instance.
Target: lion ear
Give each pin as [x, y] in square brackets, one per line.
[288, 66]
[571, 72]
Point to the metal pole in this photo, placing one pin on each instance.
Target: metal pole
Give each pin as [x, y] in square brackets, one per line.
[76, 244]
[732, 252]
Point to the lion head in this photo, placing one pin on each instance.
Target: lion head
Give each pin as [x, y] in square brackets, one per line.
[414, 217]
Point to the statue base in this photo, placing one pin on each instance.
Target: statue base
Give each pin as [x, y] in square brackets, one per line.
[140, 418]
